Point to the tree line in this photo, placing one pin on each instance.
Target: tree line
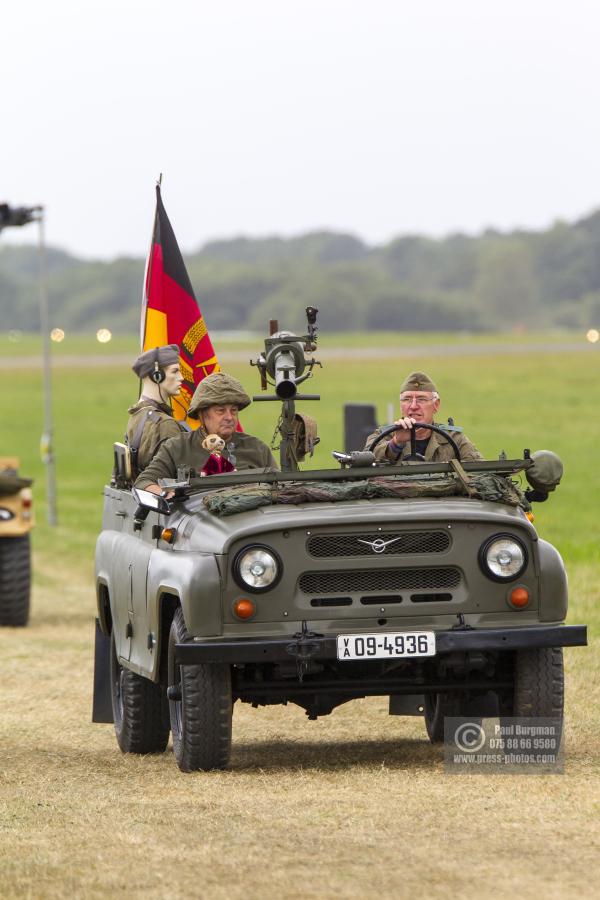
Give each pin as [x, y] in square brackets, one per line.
[495, 280]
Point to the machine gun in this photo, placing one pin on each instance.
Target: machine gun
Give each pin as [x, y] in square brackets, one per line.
[283, 365]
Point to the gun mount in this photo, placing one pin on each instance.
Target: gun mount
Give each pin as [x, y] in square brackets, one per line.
[284, 365]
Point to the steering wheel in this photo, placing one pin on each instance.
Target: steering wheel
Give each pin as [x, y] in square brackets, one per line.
[413, 439]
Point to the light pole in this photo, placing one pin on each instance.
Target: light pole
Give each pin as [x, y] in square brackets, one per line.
[15, 217]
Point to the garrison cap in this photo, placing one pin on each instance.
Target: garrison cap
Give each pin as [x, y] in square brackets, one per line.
[546, 471]
[418, 381]
[165, 356]
[218, 389]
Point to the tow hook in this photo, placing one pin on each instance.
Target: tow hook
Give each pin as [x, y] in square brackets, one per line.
[461, 625]
[303, 648]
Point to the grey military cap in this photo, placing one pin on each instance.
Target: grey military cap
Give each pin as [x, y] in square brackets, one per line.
[165, 356]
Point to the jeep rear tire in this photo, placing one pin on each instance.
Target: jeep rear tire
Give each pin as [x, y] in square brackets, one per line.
[437, 707]
[200, 708]
[139, 709]
[15, 580]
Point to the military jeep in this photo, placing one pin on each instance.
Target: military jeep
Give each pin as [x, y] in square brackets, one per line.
[423, 582]
[16, 521]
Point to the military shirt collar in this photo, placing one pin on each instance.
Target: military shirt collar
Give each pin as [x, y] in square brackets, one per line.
[149, 403]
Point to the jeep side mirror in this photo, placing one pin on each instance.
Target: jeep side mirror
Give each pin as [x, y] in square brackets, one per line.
[148, 500]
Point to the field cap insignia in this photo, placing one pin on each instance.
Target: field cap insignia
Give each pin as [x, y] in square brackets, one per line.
[418, 381]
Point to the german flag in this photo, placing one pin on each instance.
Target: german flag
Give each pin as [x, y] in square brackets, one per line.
[170, 312]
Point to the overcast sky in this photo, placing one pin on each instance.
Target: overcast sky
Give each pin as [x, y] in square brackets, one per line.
[375, 117]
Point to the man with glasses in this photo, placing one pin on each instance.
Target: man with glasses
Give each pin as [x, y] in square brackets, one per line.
[419, 402]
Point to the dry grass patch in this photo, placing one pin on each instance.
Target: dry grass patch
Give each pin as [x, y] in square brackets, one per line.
[354, 805]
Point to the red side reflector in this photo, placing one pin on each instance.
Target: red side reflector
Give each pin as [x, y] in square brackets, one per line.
[244, 609]
[519, 597]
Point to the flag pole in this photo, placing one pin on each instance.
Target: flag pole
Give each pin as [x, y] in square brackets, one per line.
[148, 275]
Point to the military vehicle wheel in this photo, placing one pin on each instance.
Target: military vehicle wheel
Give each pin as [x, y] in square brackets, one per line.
[139, 710]
[201, 708]
[437, 707]
[15, 580]
[539, 683]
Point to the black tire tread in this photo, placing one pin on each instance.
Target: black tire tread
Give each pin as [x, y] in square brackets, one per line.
[539, 683]
[202, 741]
[437, 707]
[142, 727]
[15, 580]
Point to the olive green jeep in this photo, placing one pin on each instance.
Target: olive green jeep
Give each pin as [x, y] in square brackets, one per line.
[424, 582]
[16, 521]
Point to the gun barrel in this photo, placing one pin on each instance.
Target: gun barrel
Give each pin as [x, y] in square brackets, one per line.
[285, 374]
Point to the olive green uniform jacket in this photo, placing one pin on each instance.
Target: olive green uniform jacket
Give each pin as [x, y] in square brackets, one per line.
[438, 449]
[186, 450]
[159, 426]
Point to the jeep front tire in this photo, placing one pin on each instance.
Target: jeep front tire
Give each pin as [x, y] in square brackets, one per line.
[200, 706]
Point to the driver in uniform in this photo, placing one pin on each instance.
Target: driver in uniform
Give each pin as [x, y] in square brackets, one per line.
[419, 402]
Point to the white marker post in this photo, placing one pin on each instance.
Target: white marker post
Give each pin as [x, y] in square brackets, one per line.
[46, 446]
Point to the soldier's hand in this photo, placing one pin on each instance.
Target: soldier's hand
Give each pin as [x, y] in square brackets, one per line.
[156, 489]
[402, 435]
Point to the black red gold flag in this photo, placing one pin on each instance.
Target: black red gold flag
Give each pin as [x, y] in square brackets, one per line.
[170, 312]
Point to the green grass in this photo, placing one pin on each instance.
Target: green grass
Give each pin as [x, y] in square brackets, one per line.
[30, 345]
[504, 403]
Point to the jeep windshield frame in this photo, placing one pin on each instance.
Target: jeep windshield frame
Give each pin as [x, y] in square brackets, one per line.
[408, 470]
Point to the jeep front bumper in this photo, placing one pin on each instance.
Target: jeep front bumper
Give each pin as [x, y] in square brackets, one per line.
[310, 645]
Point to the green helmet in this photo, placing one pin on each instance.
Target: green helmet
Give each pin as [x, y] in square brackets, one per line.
[546, 471]
[218, 389]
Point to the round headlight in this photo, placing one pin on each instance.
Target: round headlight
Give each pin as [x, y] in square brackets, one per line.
[257, 568]
[503, 557]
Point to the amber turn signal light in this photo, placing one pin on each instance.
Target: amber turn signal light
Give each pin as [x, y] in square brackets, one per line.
[168, 535]
[519, 597]
[244, 609]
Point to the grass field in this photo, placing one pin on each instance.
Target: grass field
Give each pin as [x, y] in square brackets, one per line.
[354, 805]
[29, 344]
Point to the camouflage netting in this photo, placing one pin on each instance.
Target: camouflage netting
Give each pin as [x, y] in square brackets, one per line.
[494, 488]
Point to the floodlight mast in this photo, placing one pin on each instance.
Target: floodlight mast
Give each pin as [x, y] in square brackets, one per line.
[16, 217]
[284, 362]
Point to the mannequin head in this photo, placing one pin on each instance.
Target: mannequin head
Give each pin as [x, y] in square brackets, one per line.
[167, 388]
[160, 372]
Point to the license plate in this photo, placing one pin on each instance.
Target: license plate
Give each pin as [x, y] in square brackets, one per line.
[386, 646]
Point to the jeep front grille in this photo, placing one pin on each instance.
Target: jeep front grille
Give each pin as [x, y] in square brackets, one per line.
[400, 542]
[394, 580]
